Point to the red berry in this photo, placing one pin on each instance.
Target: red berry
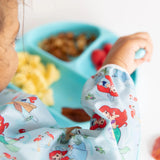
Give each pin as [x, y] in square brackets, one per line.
[98, 67]
[98, 57]
[107, 47]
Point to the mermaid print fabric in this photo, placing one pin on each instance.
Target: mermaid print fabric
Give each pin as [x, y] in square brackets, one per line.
[28, 131]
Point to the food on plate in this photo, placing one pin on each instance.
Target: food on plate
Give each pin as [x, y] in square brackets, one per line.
[75, 114]
[67, 45]
[34, 77]
[107, 47]
[98, 56]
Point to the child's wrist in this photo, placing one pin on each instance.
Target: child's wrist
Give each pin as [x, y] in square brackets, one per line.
[117, 62]
[113, 66]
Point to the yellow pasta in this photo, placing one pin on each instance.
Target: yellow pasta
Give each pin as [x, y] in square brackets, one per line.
[38, 80]
[34, 77]
[19, 79]
[34, 61]
[29, 87]
[47, 97]
[41, 68]
[52, 74]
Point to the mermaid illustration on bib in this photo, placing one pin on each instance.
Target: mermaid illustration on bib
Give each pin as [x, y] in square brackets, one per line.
[117, 118]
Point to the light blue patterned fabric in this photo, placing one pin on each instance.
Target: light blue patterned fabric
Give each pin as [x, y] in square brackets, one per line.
[29, 132]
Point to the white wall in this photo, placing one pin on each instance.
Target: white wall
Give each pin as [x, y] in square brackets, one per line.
[122, 17]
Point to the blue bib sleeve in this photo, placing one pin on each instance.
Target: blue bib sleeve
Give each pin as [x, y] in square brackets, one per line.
[109, 98]
[28, 131]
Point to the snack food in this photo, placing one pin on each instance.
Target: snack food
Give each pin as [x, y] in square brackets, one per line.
[98, 56]
[67, 45]
[75, 114]
[156, 149]
[34, 77]
[107, 47]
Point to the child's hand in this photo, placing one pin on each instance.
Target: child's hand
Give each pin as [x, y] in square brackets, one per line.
[123, 51]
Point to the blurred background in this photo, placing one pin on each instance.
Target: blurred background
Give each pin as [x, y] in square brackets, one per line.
[121, 17]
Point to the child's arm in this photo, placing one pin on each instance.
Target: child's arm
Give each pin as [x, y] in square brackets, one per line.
[109, 98]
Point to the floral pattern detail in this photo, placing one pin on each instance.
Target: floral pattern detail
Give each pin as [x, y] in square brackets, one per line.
[90, 97]
[99, 149]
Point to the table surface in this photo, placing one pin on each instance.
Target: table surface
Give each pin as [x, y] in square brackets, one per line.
[121, 17]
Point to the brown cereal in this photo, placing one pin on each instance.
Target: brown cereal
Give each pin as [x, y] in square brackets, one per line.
[81, 42]
[66, 45]
[70, 35]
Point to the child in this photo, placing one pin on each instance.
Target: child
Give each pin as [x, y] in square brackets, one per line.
[28, 131]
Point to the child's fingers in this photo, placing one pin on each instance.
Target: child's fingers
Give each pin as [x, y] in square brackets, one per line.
[142, 43]
[149, 51]
[143, 35]
[148, 46]
[147, 56]
[138, 62]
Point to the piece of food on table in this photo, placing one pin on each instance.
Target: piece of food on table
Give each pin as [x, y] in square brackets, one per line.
[98, 56]
[156, 149]
[67, 45]
[75, 114]
[34, 77]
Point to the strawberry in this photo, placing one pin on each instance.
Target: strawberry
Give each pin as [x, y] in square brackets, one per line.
[98, 56]
[98, 67]
[107, 47]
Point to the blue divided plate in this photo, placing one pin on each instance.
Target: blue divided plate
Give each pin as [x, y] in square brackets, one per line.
[67, 90]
